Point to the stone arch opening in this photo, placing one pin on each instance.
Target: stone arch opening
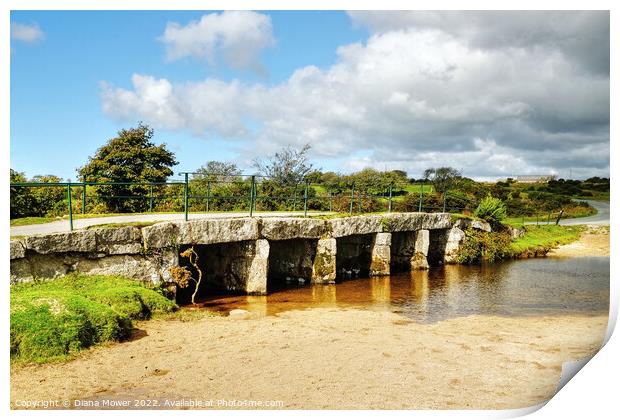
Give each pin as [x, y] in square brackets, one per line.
[438, 239]
[353, 256]
[290, 263]
[224, 269]
[402, 251]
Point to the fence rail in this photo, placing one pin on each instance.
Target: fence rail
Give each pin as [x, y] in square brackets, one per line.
[245, 193]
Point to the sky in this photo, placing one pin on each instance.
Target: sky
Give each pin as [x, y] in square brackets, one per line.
[493, 94]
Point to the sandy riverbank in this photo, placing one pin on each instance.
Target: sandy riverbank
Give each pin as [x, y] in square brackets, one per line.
[328, 358]
[593, 242]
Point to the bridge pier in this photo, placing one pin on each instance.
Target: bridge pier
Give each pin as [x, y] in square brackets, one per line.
[380, 253]
[258, 268]
[419, 260]
[324, 265]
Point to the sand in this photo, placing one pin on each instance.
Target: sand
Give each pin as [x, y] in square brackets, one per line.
[593, 242]
[326, 358]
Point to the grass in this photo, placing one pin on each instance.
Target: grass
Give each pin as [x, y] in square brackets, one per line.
[596, 195]
[415, 188]
[55, 319]
[542, 219]
[33, 220]
[540, 239]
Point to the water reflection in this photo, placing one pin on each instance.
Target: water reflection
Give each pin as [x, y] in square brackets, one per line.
[513, 288]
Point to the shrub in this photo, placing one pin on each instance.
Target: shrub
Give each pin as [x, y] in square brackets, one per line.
[484, 246]
[493, 210]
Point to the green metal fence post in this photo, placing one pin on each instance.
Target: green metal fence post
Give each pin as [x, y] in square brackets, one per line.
[352, 198]
[444, 202]
[70, 206]
[536, 219]
[83, 197]
[208, 194]
[421, 193]
[255, 194]
[330, 201]
[359, 201]
[252, 197]
[150, 198]
[306, 200]
[186, 196]
[390, 202]
[548, 217]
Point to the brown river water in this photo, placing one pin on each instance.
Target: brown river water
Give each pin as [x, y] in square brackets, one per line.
[531, 287]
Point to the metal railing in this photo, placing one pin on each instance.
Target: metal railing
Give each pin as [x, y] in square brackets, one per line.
[245, 193]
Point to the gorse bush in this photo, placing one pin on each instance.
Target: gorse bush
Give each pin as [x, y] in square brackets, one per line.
[491, 209]
[56, 318]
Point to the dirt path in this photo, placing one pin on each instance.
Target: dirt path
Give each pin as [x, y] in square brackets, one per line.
[327, 358]
[594, 242]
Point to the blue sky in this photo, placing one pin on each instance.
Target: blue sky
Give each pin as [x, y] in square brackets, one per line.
[57, 120]
[494, 94]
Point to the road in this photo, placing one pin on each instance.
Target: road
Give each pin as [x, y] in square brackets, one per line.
[600, 218]
[63, 225]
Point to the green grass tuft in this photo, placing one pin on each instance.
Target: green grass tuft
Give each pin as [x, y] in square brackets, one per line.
[541, 239]
[55, 319]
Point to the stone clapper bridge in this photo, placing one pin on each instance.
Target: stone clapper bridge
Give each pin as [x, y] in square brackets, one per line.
[249, 255]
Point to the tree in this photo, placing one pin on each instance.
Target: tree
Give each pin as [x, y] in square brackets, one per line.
[22, 199]
[287, 167]
[442, 178]
[216, 180]
[49, 201]
[216, 171]
[131, 156]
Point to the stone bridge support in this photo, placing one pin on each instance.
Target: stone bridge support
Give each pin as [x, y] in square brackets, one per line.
[257, 270]
[419, 260]
[380, 253]
[324, 266]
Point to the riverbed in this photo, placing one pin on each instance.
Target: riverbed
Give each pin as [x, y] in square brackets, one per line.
[456, 337]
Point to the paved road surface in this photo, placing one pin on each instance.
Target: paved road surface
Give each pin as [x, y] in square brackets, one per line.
[600, 218]
[63, 225]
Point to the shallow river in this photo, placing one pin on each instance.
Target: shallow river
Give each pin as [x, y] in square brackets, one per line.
[513, 288]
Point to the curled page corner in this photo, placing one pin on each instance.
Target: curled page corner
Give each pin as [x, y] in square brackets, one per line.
[570, 369]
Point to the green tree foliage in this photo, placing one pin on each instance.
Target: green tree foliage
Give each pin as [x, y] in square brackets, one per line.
[49, 201]
[442, 178]
[131, 156]
[491, 209]
[216, 171]
[288, 166]
[22, 199]
[37, 201]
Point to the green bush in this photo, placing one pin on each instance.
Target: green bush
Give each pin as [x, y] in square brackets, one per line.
[484, 246]
[491, 209]
[53, 319]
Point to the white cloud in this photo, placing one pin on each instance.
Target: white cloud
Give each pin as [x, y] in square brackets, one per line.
[239, 36]
[30, 34]
[409, 98]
